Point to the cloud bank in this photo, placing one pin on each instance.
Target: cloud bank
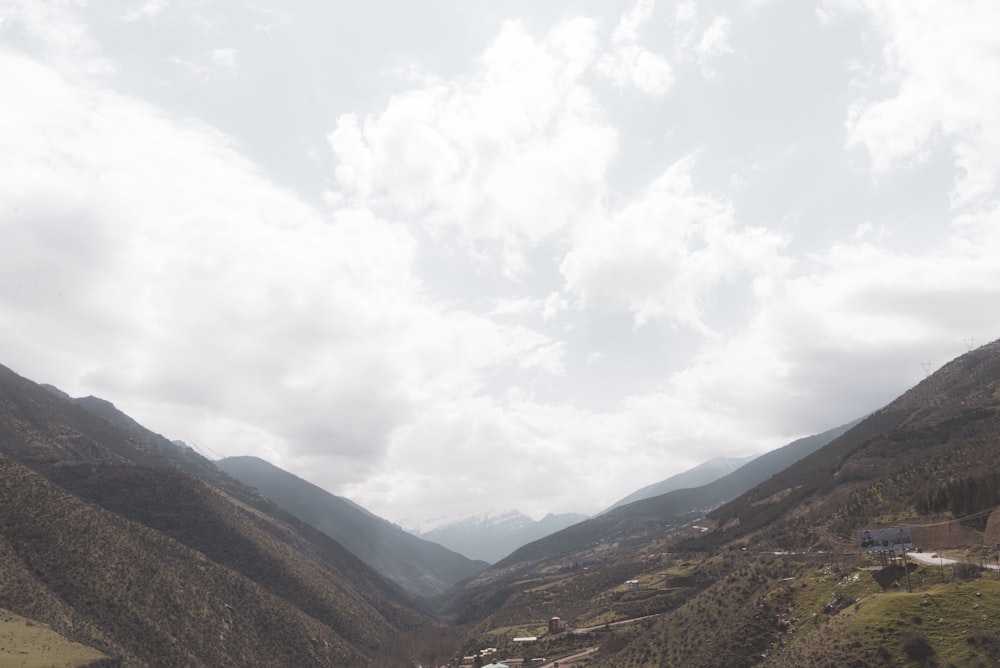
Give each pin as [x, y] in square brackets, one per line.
[563, 254]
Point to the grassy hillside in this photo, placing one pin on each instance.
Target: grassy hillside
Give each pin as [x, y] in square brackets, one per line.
[26, 643]
[774, 612]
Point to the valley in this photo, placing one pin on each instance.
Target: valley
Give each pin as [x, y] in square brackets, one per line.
[124, 548]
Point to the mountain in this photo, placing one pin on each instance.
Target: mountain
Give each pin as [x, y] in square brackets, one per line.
[492, 536]
[682, 502]
[932, 450]
[632, 527]
[702, 474]
[928, 461]
[420, 566]
[121, 541]
[775, 577]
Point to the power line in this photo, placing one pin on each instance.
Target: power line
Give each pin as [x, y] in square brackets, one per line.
[975, 515]
[843, 540]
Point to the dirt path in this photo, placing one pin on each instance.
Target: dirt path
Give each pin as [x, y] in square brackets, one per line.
[591, 629]
[568, 662]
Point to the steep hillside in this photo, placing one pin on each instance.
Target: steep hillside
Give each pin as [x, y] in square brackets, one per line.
[422, 567]
[932, 453]
[684, 501]
[645, 525]
[134, 593]
[776, 577]
[492, 536]
[698, 476]
[119, 547]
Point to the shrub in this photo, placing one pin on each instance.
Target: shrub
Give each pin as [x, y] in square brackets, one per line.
[917, 647]
[964, 571]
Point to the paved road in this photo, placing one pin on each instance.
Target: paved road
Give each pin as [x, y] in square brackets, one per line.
[926, 558]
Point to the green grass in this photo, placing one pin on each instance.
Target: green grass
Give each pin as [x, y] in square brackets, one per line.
[947, 615]
[956, 623]
[28, 644]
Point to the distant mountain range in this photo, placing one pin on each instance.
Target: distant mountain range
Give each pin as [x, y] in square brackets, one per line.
[630, 527]
[492, 536]
[702, 474]
[420, 566]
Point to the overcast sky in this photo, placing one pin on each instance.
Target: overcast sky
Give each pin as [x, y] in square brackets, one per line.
[458, 255]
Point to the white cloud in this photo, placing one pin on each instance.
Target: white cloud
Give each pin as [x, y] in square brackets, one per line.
[542, 454]
[685, 12]
[209, 66]
[848, 333]
[630, 63]
[225, 57]
[714, 43]
[510, 155]
[662, 254]
[59, 34]
[517, 280]
[147, 10]
[944, 65]
[198, 290]
[694, 44]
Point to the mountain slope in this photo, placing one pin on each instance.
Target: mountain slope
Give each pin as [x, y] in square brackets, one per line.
[929, 460]
[683, 501]
[702, 474]
[134, 593]
[932, 450]
[119, 546]
[492, 536]
[647, 524]
[420, 566]
[775, 577]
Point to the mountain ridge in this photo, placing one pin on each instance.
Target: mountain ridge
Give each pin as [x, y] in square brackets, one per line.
[118, 539]
[603, 538]
[420, 566]
[775, 577]
[702, 474]
[493, 535]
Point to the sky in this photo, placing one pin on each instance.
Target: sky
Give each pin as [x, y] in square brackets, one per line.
[457, 256]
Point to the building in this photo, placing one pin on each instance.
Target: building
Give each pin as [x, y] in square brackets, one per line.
[555, 625]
